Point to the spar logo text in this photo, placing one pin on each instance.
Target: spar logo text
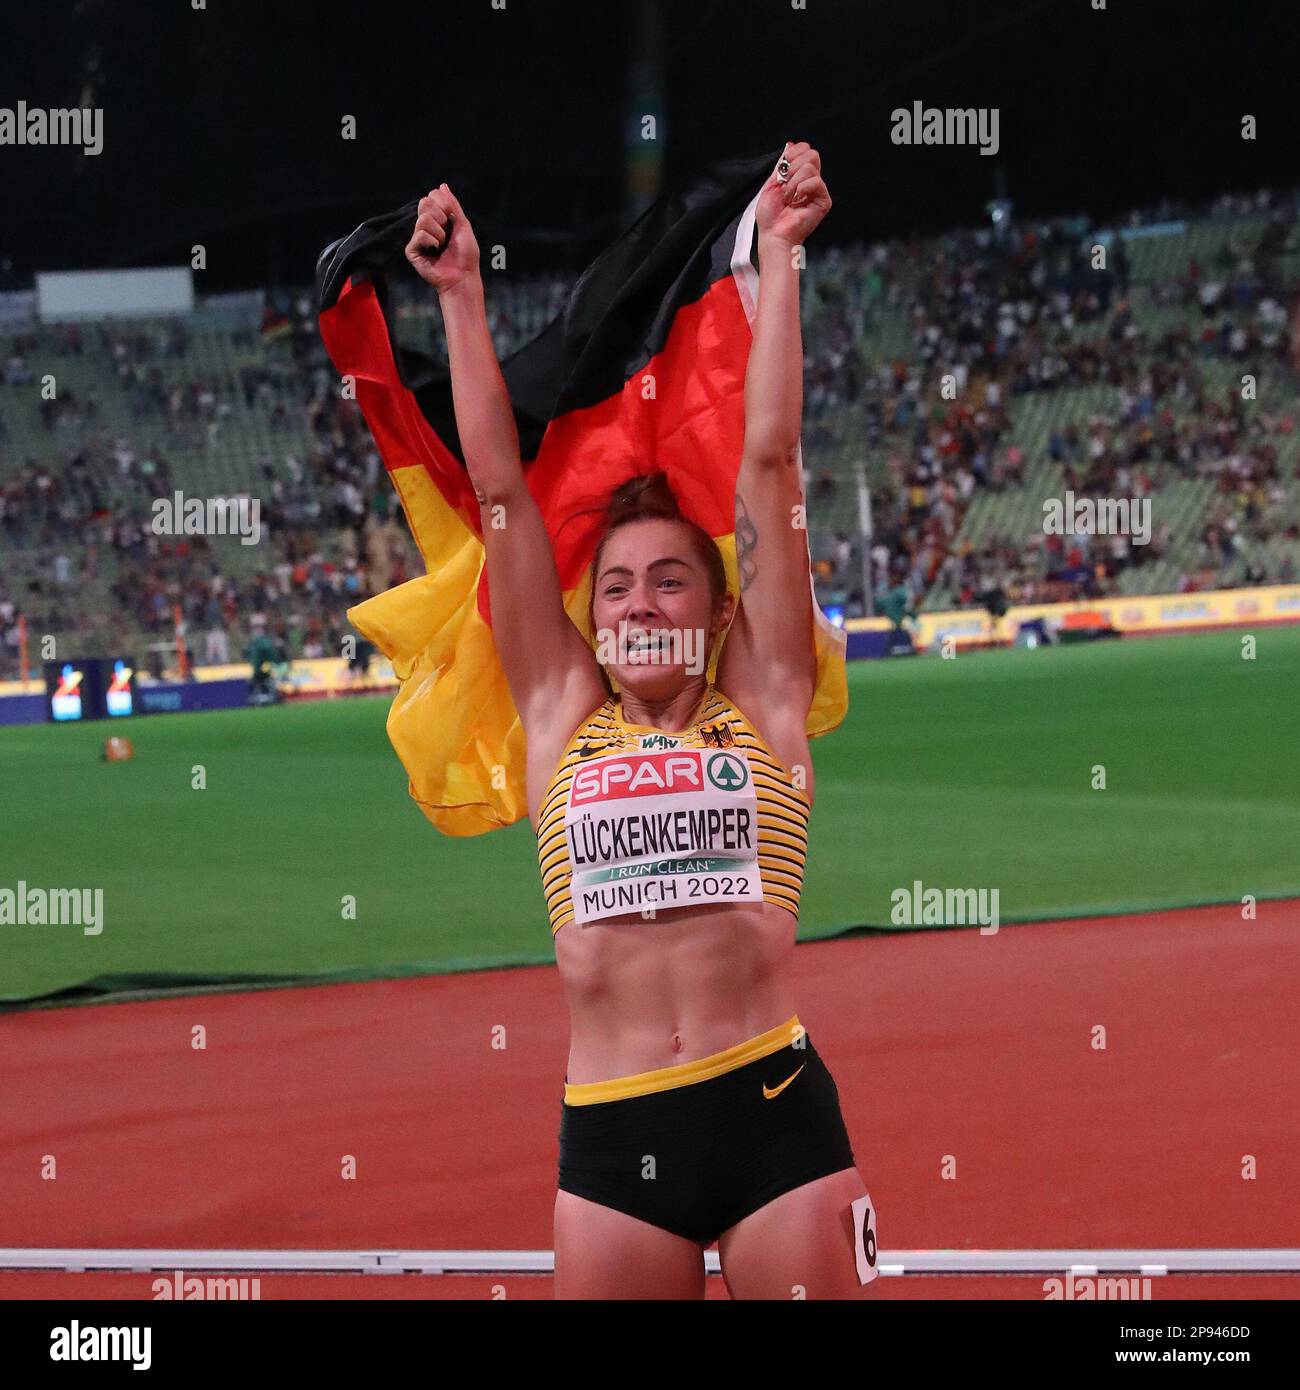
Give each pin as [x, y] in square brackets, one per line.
[636, 774]
[657, 774]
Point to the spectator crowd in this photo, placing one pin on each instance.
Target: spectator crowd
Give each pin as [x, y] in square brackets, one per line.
[993, 322]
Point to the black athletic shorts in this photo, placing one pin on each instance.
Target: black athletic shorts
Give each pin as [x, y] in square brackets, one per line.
[697, 1158]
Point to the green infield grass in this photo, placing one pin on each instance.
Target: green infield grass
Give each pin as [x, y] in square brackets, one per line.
[971, 773]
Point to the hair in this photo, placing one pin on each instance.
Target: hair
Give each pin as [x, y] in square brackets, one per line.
[649, 497]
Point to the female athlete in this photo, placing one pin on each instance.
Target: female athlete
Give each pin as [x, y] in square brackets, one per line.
[672, 824]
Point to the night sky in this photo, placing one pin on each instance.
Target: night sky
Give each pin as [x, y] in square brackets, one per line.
[222, 126]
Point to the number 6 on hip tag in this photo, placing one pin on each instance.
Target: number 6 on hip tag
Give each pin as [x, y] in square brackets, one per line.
[864, 1239]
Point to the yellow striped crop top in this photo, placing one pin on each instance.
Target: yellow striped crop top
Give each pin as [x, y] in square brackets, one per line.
[636, 820]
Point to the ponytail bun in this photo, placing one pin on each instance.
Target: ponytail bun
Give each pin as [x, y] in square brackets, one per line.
[647, 497]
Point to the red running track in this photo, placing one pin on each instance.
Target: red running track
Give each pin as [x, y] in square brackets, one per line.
[943, 1043]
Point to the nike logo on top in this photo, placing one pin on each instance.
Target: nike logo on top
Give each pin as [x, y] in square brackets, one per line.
[769, 1095]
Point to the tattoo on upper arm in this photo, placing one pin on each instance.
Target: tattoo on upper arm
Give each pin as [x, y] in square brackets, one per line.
[746, 544]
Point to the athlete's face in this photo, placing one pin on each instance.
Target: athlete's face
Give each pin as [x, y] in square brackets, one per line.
[653, 609]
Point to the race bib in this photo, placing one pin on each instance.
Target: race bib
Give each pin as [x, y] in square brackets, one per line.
[675, 828]
[864, 1239]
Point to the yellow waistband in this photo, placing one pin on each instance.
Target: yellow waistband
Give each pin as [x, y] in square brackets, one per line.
[703, 1069]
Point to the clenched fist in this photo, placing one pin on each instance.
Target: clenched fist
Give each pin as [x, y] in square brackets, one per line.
[442, 247]
[790, 211]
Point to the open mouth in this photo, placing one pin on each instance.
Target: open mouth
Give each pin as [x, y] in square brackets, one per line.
[649, 646]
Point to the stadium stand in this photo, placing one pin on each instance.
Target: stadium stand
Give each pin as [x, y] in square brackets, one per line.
[964, 379]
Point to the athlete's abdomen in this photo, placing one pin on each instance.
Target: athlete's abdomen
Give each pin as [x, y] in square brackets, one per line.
[644, 995]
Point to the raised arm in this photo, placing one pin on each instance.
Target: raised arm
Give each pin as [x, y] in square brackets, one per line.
[546, 660]
[769, 657]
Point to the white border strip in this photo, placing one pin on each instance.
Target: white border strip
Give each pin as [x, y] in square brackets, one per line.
[892, 1262]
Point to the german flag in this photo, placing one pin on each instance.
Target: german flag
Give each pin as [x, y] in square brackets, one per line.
[644, 368]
